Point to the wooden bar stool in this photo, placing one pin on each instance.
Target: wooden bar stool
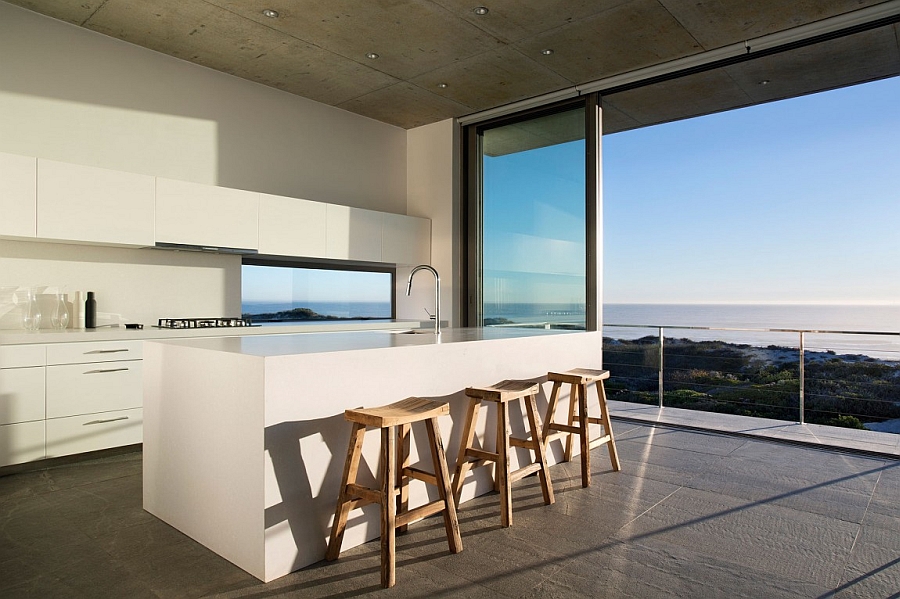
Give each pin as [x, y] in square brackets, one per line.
[472, 457]
[393, 496]
[579, 422]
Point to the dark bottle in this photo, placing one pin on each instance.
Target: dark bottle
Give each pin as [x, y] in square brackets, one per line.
[90, 311]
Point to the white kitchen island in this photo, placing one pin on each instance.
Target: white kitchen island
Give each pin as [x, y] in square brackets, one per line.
[245, 440]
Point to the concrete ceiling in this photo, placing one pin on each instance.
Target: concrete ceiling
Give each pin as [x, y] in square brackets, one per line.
[438, 59]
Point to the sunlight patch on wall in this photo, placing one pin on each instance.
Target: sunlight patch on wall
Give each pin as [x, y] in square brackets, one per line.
[136, 141]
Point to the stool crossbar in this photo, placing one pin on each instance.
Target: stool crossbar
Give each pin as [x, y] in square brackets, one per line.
[394, 420]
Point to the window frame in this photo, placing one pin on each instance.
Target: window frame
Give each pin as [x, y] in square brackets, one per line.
[471, 290]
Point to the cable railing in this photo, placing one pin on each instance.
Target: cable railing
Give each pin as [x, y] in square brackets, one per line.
[839, 378]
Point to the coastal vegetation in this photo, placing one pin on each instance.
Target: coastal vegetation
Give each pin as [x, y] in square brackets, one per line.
[715, 376]
[298, 314]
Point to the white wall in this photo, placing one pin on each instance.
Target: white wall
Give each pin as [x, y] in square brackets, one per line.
[433, 192]
[70, 94]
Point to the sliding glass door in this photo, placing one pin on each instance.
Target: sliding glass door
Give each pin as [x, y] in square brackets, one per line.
[528, 213]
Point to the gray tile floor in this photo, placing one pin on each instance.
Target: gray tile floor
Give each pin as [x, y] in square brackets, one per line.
[691, 514]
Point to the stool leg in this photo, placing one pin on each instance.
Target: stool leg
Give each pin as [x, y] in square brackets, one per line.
[573, 399]
[584, 423]
[403, 440]
[351, 467]
[388, 507]
[540, 453]
[607, 425]
[462, 461]
[502, 478]
[451, 522]
[551, 411]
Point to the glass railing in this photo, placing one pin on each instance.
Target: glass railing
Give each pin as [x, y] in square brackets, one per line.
[839, 378]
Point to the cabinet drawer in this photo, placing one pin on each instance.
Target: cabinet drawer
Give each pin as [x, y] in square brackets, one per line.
[77, 434]
[20, 356]
[87, 388]
[21, 395]
[21, 443]
[94, 351]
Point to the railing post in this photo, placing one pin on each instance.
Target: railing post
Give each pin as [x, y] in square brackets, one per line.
[660, 367]
[802, 377]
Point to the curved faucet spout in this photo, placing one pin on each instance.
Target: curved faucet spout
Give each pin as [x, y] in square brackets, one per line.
[437, 293]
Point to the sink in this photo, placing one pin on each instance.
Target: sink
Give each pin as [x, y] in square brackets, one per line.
[412, 332]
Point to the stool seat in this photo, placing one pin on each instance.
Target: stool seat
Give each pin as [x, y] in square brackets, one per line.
[579, 421]
[579, 376]
[470, 456]
[504, 391]
[394, 421]
[405, 411]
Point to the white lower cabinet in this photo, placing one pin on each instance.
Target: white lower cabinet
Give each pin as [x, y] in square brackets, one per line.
[65, 398]
[90, 432]
[21, 403]
[21, 395]
[21, 442]
[74, 389]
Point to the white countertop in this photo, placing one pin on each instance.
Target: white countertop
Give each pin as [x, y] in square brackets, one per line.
[21, 337]
[310, 343]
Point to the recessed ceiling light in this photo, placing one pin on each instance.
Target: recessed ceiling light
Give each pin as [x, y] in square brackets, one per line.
[442, 85]
[272, 14]
[764, 82]
[480, 10]
[547, 52]
[371, 55]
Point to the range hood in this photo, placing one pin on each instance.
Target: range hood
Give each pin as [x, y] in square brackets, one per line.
[186, 247]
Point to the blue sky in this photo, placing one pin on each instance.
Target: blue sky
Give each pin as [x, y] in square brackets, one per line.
[795, 201]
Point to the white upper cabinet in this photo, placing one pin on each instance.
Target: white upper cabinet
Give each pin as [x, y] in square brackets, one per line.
[18, 181]
[196, 214]
[353, 233]
[89, 204]
[291, 227]
[406, 240]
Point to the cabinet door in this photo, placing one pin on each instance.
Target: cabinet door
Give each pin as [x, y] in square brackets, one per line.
[84, 203]
[20, 443]
[18, 199]
[21, 395]
[406, 239]
[22, 356]
[196, 214]
[291, 227]
[353, 233]
[74, 389]
[78, 434]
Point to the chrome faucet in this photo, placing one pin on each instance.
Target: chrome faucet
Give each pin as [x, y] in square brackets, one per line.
[437, 293]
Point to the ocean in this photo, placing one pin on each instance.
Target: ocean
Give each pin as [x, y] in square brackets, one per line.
[821, 317]
[855, 318]
[845, 318]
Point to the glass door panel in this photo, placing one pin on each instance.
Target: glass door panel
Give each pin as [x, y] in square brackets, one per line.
[533, 254]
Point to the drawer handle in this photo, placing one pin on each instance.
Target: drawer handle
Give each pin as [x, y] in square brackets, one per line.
[105, 421]
[104, 351]
[103, 370]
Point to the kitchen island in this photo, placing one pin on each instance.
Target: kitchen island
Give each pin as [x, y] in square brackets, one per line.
[245, 440]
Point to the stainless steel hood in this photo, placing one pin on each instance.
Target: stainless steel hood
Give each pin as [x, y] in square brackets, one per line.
[185, 247]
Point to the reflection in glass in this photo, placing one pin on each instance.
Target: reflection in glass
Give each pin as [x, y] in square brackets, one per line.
[533, 215]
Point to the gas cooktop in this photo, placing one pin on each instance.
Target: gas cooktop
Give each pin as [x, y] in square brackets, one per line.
[203, 323]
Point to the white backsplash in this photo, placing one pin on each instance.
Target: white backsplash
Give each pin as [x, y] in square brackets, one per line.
[130, 285]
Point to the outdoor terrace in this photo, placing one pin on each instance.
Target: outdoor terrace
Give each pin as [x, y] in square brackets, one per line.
[691, 514]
